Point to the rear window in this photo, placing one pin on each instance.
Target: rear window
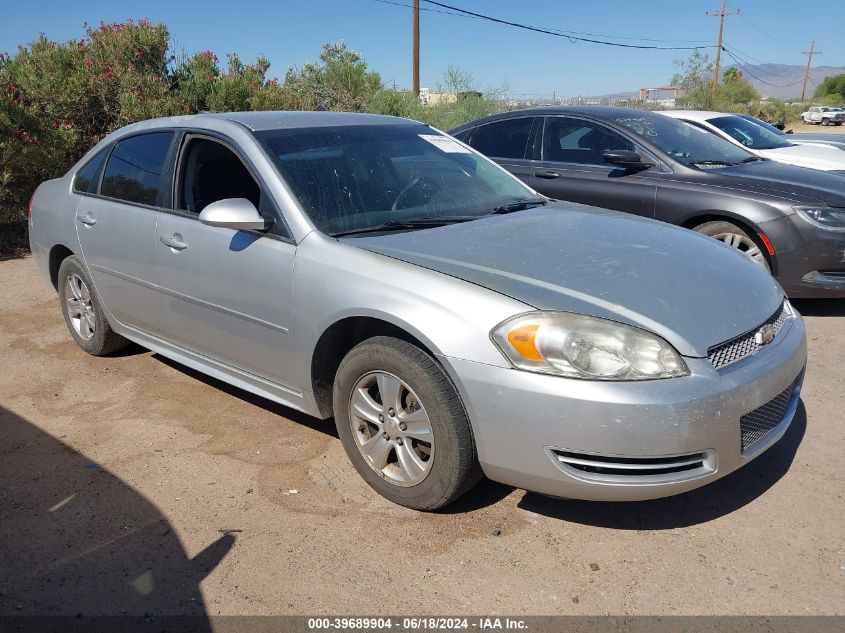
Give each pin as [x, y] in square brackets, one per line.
[85, 180]
[133, 171]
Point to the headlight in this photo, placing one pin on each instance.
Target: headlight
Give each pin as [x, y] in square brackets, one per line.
[830, 218]
[577, 346]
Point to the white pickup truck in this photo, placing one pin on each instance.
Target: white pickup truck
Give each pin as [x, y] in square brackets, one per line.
[824, 115]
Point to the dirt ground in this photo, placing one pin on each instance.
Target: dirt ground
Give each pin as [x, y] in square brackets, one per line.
[132, 485]
[816, 129]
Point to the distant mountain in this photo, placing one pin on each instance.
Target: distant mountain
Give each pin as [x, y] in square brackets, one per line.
[792, 77]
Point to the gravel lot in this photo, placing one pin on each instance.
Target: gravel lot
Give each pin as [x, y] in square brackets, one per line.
[132, 485]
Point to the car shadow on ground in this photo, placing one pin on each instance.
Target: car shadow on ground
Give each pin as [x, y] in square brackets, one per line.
[820, 307]
[324, 426]
[76, 540]
[703, 504]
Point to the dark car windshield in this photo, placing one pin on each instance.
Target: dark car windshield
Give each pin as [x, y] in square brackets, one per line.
[355, 177]
[749, 134]
[684, 142]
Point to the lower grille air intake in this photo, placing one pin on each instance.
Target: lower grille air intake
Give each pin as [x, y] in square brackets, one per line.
[757, 424]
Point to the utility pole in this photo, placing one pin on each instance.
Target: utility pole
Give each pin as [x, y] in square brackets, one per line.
[416, 80]
[722, 16]
[809, 54]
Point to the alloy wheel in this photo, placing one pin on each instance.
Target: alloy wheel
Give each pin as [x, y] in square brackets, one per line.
[80, 309]
[391, 428]
[744, 245]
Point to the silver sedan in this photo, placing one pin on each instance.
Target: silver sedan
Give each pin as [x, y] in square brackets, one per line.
[452, 321]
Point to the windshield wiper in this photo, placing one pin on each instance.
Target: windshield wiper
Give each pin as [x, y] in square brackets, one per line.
[751, 159]
[711, 163]
[410, 223]
[518, 205]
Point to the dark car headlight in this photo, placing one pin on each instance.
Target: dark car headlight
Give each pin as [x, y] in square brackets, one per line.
[828, 218]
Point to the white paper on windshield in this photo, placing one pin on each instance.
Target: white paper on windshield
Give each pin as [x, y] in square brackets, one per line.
[444, 143]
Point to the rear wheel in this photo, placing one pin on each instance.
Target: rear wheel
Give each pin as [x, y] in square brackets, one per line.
[736, 238]
[403, 425]
[83, 311]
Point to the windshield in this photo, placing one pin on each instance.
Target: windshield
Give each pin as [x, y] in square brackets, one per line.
[762, 124]
[356, 177]
[749, 134]
[684, 142]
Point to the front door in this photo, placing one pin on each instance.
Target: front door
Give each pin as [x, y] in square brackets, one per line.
[573, 168]
[226, 293]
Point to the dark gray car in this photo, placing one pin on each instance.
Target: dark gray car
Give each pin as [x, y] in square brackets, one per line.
[788, 219]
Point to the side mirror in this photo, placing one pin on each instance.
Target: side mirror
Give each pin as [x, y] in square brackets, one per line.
[789, 131]
[234, 213]
[625, 158]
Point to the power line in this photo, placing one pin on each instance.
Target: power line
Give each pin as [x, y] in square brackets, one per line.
[769, 35]
[571, 37]
[429, 9]
[762, 81]
[566, 32]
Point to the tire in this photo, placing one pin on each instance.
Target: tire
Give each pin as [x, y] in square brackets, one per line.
[825, 122]
[838, 123]
[87, 324]
[738, 238]
[438, 471]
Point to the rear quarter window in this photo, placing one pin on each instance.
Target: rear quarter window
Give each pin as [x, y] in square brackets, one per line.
[85, 180]
[134, 168]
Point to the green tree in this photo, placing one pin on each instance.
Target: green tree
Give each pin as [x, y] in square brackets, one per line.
[693, 77]
[340, 80]
[734, 91]
[831, 91]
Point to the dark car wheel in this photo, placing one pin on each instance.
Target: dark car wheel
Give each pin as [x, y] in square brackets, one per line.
[737, 238]
[403, 425]
[83, 311]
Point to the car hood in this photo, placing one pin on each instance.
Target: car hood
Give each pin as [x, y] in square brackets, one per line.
[689, 289]
[814, 156]
[798, 184]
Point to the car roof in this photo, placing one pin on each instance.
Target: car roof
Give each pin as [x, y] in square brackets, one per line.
[695, 115]
[273, 120]
[607, 112]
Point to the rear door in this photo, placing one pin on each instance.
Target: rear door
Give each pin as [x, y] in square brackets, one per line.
[116, 225]
[572, 167]
[508, 142]
[226, 293]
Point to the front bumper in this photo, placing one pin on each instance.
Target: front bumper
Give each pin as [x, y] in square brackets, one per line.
[809, 261]
[552, 435]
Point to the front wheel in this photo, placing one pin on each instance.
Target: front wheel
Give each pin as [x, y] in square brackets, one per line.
[403, 425]
[825, 122]
[736, 238]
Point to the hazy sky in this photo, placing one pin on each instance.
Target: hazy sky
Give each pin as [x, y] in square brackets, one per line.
[291, 32]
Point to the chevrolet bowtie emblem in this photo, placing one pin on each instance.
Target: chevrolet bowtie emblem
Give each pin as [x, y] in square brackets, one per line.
[765, 335]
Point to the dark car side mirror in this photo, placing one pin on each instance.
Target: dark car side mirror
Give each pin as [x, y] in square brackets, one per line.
[625, 158]
[789, 131]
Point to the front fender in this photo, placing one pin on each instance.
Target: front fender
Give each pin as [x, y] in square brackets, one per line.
[335, 281]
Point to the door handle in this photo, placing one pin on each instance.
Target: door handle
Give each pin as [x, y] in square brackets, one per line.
[87, 220]
[173, 242]
[548, 175]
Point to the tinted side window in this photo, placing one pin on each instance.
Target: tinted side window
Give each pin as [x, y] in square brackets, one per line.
[85, 180]
[133, 171]
[463, 136]
[503, 139]
[568, 140]
[211, 172]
